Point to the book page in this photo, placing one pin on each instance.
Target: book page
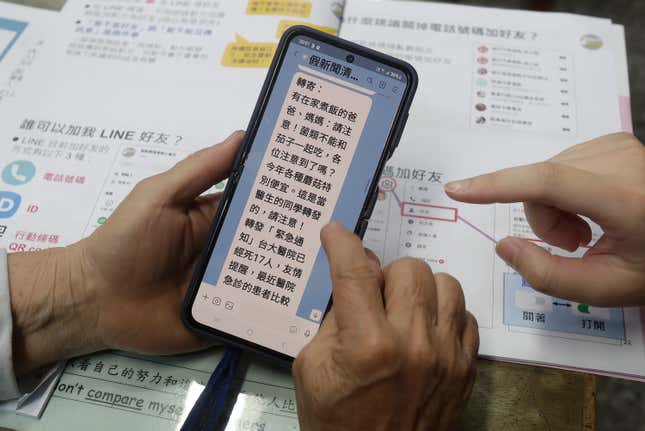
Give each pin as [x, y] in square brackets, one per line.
[497, 88]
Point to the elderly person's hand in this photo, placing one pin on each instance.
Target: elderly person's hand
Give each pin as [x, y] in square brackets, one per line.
[396, 352]
[121, 287]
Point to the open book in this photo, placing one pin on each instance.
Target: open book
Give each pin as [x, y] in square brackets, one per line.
[104, 93]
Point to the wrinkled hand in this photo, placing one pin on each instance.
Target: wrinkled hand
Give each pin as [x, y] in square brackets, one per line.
[121, 287]
[141, 260]
[396, 352]
[603, 179]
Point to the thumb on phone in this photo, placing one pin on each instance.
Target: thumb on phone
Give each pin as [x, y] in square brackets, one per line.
[358, 299]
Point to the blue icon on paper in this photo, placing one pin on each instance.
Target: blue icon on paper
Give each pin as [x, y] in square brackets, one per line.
[18, 173]
[9, 204]
[10, 30]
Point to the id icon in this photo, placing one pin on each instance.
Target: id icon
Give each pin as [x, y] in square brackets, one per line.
[9, 203]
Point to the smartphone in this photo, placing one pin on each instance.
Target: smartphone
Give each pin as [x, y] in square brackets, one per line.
[329, 116]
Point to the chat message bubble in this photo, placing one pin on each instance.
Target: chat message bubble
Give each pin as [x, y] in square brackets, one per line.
[299, 8]
[243, 53]
[285, 24]
[294, 193]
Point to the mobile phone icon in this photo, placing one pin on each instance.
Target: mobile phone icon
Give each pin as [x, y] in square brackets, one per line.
[18, 172]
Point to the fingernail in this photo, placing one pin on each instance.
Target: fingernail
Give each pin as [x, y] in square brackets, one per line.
[457, 186]
[331, 226]
[334, 225]
[508, 249]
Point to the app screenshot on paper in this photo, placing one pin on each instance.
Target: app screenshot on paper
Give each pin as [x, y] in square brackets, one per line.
[9, 32]
[326, 121]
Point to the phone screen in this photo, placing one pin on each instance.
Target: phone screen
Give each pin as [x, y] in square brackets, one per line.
[313, 159]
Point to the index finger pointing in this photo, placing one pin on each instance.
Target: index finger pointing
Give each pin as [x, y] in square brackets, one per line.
[567, 188]
[358, 301]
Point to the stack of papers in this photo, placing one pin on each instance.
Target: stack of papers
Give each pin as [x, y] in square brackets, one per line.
[104, 93]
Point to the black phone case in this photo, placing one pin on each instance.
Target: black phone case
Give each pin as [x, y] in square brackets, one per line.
[238, 166]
